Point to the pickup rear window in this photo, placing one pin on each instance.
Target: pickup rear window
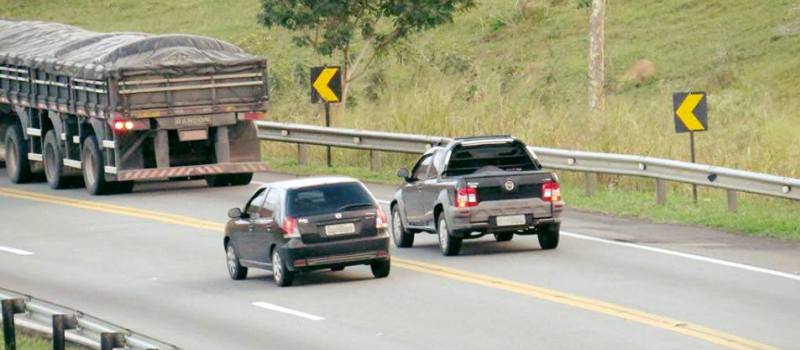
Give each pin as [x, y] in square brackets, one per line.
[512, 156]
[326, 199]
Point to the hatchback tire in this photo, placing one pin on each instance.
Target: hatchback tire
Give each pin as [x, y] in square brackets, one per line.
[235, 270]
[280, 273]
[381, 269]
[401, 237]
[548, 236]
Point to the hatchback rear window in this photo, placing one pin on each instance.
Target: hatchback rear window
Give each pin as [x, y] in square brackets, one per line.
[326, 199]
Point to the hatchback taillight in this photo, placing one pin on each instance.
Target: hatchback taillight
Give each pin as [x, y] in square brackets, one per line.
[380, 219]
[466, 197]
[290, 229]
[551, 191]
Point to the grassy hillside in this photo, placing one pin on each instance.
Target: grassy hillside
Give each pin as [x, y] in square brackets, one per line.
[520, 67]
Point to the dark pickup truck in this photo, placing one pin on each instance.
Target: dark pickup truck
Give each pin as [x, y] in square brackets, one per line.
[477, 186]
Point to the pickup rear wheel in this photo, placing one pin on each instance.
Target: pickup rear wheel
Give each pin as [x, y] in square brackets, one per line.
[17, 165]
[548, 236]
[504, 237]
[402, 238]
[448, 244]
[381, 269]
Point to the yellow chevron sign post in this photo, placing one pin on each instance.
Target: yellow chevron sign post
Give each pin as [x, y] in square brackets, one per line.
[691, 115]
[326, 87]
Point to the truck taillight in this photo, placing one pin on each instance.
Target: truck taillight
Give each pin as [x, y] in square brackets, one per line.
[551, 191]
[290, 227]
[380, 220]
[251, 116]
[466, 197]
[122, 125]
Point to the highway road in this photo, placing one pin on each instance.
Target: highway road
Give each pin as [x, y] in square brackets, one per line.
[153, 262]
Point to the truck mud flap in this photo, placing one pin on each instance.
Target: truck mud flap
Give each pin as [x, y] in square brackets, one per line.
[195, 170]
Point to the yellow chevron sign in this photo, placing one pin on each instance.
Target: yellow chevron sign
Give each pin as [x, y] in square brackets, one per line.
[326, 84]
[691, 111]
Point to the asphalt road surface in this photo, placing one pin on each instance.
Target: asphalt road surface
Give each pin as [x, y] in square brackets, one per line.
[153, 261]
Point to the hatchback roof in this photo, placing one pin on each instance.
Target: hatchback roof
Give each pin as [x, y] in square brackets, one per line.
[309, 182]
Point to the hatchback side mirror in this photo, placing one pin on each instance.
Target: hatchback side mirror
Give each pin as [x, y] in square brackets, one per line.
[235, 213]
[404, 174]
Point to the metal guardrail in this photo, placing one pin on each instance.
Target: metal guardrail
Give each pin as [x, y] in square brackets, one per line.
[38, 315]
[587, 162]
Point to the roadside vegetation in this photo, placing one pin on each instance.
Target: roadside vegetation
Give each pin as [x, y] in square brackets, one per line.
[520, 67]
[30, 342]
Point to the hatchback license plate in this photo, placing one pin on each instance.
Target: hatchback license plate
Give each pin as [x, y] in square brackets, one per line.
[340, 229]
[511, 220]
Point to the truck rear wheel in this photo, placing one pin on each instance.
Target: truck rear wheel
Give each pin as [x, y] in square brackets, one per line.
[229, 180]
[54, 162]
[548, 236]
[93, 170]
[17, 165]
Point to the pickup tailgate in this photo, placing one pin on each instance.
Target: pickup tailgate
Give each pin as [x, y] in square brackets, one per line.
[498, 186]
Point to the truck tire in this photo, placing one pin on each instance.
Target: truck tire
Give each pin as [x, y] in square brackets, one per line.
[548, 236]
[17, 165]
[54, 162]
[448, 244]
[229, 180]
[381, 269]
[401, 237]
[93, 168]
[504, 237]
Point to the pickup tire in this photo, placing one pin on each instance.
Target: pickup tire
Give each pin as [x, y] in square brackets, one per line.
[17, 165]
[229, 180]
[93, 168]
[504, 237]
[402, 238]
[548, 236]
[448, 244]
[381, 269]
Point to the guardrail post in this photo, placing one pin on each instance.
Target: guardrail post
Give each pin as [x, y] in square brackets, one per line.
[661, 192]
[111, 341]
[589, 184]
[732, 203]
[60, 324]
[10, 308]
[302, 154]
[374, 160]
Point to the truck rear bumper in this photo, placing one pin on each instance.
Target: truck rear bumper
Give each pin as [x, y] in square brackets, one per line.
[186, 171]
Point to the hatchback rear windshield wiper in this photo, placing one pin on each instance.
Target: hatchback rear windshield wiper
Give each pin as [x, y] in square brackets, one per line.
[356, 205]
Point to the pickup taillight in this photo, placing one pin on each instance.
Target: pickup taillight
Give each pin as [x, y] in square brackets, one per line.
[551, 191]
[466, 197]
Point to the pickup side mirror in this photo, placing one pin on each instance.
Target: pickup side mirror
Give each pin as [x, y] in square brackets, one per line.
[403, 172]
[235, 213]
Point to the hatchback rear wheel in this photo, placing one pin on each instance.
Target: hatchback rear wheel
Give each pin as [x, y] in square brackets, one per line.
[236, 270]
[282, 276]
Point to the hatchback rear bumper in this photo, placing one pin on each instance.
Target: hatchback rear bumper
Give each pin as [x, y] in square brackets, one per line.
[359, 251]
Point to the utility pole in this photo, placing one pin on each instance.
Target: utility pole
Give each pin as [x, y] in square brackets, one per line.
[597, 82]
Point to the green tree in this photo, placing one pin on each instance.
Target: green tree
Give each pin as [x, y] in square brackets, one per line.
[329, 27]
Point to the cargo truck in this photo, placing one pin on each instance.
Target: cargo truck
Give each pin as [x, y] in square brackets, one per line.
[115, 108]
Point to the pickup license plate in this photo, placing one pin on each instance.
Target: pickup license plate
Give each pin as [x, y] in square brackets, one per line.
[511, 220]
[340, 229]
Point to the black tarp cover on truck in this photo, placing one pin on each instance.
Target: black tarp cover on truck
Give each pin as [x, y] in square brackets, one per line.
[68, 50]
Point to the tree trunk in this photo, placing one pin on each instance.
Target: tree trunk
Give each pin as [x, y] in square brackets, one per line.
[597, 97]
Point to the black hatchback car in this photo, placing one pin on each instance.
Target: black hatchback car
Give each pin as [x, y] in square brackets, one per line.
[307, 224]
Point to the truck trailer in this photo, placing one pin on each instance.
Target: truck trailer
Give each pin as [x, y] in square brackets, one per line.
[115, 108]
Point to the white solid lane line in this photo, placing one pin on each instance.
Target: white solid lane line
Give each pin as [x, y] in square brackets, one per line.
[282, 309]
[735, 265]
[15, 251]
